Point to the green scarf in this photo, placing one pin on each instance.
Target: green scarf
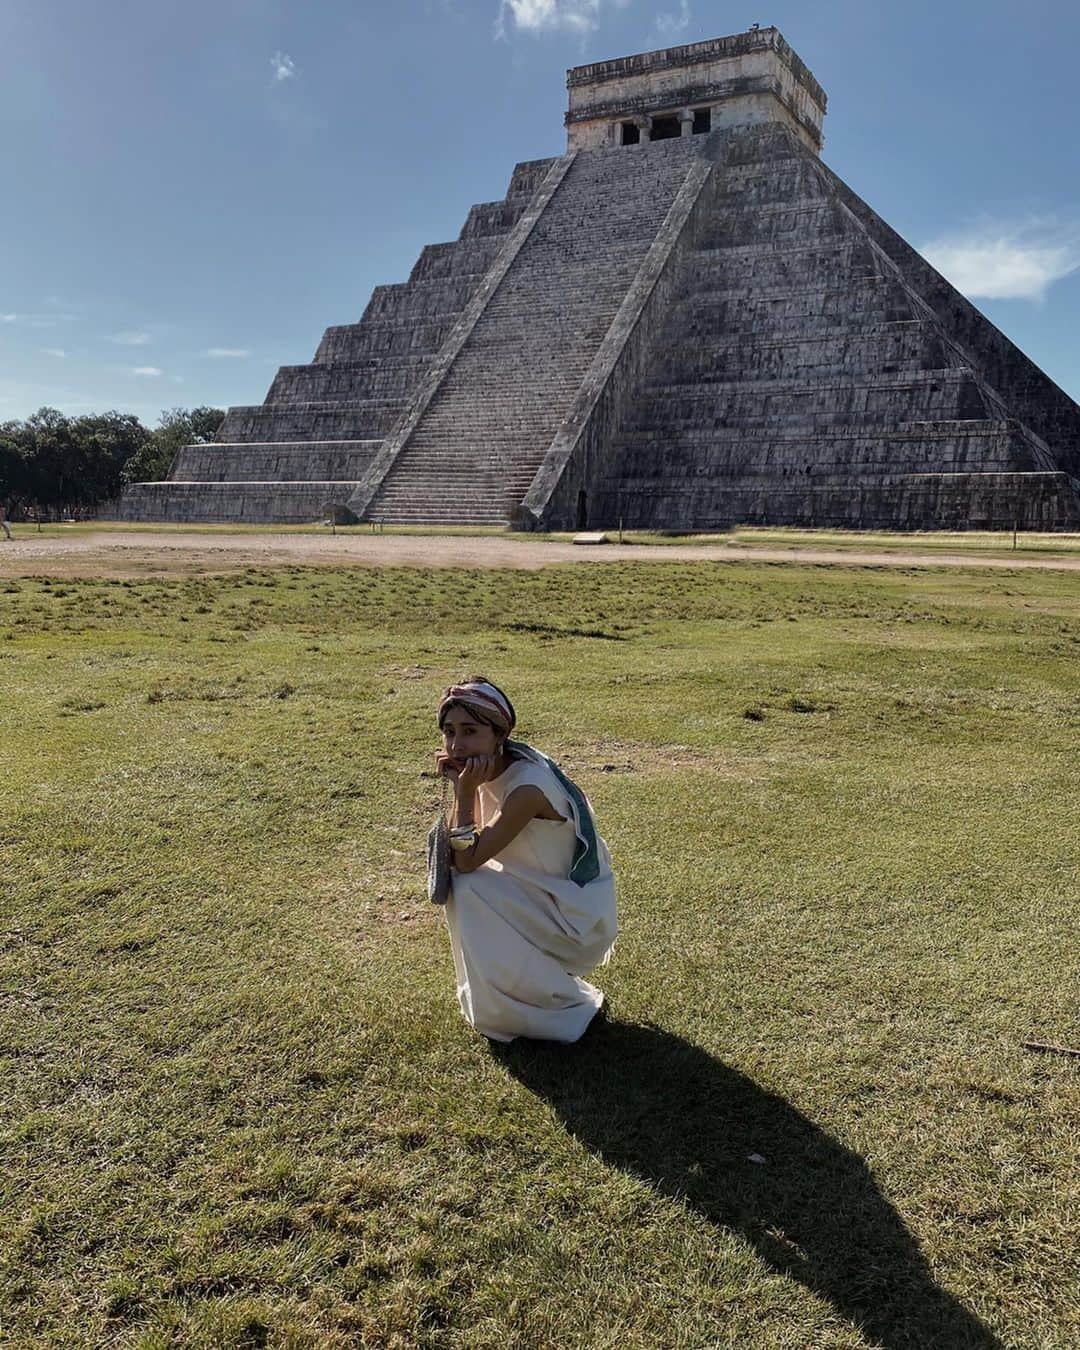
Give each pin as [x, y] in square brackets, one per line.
[586, 864]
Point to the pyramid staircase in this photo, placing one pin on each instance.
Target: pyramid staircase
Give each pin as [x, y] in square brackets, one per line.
[474, 453]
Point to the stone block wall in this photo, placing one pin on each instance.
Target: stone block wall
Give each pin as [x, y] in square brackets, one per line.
[232, 503]
[275, 461]
[797, 376]
[748, 78]
[1025, 389]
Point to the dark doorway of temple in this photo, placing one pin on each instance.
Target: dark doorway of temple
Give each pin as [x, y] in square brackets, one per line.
[664, 129]
[702, 121]
[630, 133]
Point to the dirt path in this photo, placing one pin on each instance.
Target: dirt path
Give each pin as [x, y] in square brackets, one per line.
[145, 553]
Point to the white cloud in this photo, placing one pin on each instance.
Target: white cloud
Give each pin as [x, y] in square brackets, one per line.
[283, 66]
[131, 339]
[54, 351]
[240, 353]
[537, 16]
[1006, 261]
[37, 320]
[670, 26]
[147, 370]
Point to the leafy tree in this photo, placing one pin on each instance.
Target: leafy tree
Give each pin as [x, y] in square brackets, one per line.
[54, 461]
[59, 461]
[104, 444]
[18, 476]
[51, 446]
[176, 428]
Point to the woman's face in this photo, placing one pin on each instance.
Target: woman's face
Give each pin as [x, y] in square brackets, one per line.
[464, 737]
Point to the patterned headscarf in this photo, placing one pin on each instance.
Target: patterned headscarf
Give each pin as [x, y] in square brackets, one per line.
[489, 703]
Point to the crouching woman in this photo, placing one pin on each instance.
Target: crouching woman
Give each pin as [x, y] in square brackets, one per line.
[532, 903]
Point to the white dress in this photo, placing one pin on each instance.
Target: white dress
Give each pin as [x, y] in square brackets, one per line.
[521, 931]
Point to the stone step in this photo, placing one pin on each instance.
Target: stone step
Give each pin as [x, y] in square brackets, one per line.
[251, 503]
[774, 269]
[800, 310]
[744, 254]
[783, 222]
[405, 366]
[460, 257]
[281, 461]
[429, 299]
[528, 175]
[371, 417]
[356, 342]
[943, 375]
[862, 289]
[951, 393]
[452, 469]
[922, 500]
[904, 347]
[810, 456]
[347, 388]
[453, 517]
[758, 184]
[511, 401]
[670, 452]
[466, 495]
[337, 382]
[795, 435]
[472, 512]
[487, 218]
[811, 204]
[346, 418]
[754, 145]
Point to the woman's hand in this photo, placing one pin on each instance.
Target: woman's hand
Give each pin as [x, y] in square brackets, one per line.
[476, 770]
[445, 767]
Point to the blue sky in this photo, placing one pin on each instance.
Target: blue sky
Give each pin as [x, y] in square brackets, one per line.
[195, 190]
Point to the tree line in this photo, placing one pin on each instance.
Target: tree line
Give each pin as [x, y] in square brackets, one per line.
[52, 465]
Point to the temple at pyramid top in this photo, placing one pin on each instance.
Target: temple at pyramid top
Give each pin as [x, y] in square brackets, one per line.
[692, 90]
[686, 321]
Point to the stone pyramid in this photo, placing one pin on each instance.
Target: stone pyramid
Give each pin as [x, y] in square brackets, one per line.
[687, 321]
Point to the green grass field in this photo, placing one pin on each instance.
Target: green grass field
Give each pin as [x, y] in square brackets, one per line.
[240, 1107]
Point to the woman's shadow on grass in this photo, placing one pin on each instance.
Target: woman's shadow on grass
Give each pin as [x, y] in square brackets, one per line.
[660, 1108]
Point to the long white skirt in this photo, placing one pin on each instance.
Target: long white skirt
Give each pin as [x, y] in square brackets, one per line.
[522, 940]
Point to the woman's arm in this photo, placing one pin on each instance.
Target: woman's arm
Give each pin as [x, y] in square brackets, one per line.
[466, 778]
[521, 806]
